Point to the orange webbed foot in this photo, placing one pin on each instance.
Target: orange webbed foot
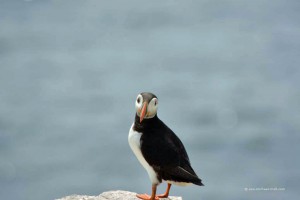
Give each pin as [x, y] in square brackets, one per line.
[163, 196]
[166, 194]
[147, 197]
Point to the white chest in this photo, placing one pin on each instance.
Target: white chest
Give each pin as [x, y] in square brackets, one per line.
[134, 143]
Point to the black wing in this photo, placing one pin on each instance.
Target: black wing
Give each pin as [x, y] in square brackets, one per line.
[164, 151]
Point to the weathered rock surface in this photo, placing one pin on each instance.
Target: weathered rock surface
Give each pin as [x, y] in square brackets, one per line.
[111, 195]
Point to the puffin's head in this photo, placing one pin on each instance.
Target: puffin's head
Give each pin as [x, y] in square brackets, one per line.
[146, 105]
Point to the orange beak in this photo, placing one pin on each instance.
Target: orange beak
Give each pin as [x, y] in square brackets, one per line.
[144, 111]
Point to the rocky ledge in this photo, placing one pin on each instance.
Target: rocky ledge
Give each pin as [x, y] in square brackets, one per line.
[112, 195]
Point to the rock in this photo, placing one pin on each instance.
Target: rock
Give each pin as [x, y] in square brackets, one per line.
[112, 195]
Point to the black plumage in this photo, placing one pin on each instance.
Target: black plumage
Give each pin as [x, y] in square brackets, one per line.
[164, 151]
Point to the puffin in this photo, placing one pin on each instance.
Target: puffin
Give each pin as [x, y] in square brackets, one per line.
[158, 149]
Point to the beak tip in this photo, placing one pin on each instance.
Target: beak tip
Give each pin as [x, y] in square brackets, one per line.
[141, 119]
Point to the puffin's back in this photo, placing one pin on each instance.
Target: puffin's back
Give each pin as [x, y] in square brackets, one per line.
[164, 151]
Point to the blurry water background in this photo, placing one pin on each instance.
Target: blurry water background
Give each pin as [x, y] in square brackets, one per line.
[227, 75]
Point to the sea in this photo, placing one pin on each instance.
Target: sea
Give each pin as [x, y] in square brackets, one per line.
[226, 73]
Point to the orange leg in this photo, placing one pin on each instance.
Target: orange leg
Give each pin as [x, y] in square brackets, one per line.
[166, 194]
[148, 197]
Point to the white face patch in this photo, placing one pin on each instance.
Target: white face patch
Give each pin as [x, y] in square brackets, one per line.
[151, 109]
[139, 104]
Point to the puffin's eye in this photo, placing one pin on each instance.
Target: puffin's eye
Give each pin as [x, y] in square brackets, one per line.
[155, 102]
[138, 100]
